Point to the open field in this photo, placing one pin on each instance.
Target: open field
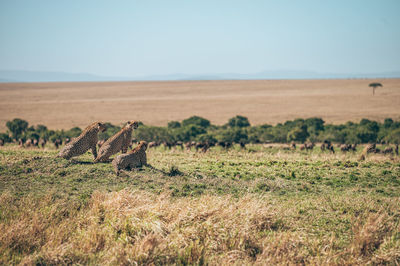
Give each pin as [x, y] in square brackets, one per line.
[65, 105]
[261, 205]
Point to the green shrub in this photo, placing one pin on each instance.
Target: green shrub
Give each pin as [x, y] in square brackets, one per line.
[197, 121]
[238, 121]
[17, 127]
[174, 124]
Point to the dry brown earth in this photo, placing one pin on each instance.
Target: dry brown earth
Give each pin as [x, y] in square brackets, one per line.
[64, 105]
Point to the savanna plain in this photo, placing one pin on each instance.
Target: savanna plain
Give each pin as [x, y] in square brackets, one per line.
[262, 204]
[70, 104]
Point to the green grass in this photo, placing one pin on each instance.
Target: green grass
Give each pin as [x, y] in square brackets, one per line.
[281, 173]
[313, 198]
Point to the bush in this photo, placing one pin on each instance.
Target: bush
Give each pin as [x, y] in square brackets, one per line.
[207, 138]
[31, 135]
[233, 135]
[73, 132]
[5, 138]
[366, 135]
[237, 130]
[238, 121]
[151, 133]
[393, 136]
[197, 121]
[314, 125]
[17, 127]
[388, 123]
[189, 132]
[174, 124]
[299, 133]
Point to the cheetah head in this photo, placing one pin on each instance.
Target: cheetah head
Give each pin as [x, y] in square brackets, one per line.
[143, 145]
[132, 124]
[101, 126]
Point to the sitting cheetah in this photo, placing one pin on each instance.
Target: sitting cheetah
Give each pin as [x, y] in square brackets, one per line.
[86, 140]
[118, 142]
[135, 158]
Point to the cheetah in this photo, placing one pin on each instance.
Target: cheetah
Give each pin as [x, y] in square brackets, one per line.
[370, 148]
[118, 142]
[85, 141]
[135, 158]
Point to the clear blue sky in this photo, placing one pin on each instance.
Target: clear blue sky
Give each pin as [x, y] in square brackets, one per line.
[133, 38]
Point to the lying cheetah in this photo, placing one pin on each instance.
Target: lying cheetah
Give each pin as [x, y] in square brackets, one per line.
[118, 142]
[86, 140]
[135, 158]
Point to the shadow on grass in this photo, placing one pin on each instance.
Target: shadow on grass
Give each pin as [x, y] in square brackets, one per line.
[173, 171]
[81, 162]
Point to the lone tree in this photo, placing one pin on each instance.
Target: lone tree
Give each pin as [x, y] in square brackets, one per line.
[374, 85]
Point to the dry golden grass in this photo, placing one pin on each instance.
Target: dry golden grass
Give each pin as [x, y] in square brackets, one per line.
[136, 227]
[64, 105]
[259, 206]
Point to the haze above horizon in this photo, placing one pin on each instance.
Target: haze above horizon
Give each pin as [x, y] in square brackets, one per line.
[147, 38]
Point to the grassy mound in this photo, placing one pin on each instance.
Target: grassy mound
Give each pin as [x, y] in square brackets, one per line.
[260, 205]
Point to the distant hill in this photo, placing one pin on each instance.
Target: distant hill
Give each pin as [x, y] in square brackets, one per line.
[46, 76]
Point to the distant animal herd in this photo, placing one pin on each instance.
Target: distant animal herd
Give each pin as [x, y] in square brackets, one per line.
[122, 140]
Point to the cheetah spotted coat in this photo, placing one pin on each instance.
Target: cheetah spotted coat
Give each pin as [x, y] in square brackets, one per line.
[86, 140]
[135, 158]
[118, 142]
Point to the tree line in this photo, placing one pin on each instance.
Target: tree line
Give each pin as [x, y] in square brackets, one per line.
[236, 130]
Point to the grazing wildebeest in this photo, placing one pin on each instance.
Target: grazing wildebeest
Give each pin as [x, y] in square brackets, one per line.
[353, 147]
[309, 145]
[224, 144]
[179, 144]
[42, 142]
[327, 145]
[387, 150]
[167, 145]
[153, 144]
[190, 144]
[345, 147]
[28, 143]
[203, 146]
[242, 144]
[293, 145]
[57, 142]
